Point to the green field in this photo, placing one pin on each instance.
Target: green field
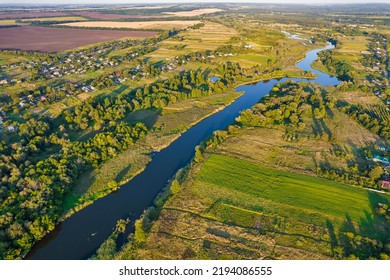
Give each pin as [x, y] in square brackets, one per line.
[306, 193]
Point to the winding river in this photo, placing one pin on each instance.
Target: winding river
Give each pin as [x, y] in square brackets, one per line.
[79, 236]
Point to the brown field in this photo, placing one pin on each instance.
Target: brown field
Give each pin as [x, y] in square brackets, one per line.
[30, 38]
[101, 16]
[31, 15]
[193, 13]
[136, 25]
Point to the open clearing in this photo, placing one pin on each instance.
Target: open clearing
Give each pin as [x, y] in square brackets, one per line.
[135, 25]
[193, 13]
[31, 38]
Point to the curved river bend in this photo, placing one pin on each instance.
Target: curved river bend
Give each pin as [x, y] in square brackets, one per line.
[79, 236]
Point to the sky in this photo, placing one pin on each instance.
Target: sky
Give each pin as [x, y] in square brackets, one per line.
[55, 2]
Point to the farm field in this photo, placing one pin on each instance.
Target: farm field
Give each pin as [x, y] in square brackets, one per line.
[194, 13]
[165, 25]
[7, 22]
[232, 208]
[50, 40]
[209, 37]
[64, 18]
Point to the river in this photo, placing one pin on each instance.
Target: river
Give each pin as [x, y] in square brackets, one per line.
[79, 236]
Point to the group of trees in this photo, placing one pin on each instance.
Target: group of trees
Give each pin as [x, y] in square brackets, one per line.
[33, 186]
[368, 118]
[342, 69]
[288, 104]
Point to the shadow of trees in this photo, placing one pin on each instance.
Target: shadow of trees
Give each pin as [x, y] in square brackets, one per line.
[367, 239]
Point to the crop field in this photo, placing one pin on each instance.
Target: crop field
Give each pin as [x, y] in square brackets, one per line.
[233, 208]
[65, 18]
[164, 25]
[7, 22]
[194, 13]
[309, 194]
[50, 40]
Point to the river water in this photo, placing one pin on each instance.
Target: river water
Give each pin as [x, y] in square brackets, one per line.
[79, 236]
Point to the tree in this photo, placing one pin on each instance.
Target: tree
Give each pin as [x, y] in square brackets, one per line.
[198, 155]
[175, 187]
[376, 172]
[121, 225]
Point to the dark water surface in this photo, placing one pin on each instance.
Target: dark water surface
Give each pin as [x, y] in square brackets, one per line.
[79, 236]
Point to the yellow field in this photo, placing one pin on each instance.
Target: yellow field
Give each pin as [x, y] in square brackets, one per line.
[136, 25]
[7, 22]
[54, 19]
[193, 13]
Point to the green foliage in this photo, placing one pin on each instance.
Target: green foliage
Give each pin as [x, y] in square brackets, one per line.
[32, 191]
[374, 118]
[107, 250]
[288, 105]
[342, 69]
[198, 155]
[175, 187]
[140, 233]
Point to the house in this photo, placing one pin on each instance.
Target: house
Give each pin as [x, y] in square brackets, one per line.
[383, 148]
[3, 82]
[11, 128]
[385, 184]
[381, 159]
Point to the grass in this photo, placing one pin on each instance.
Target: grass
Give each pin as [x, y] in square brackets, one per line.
[307, 193]
[9, 59]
